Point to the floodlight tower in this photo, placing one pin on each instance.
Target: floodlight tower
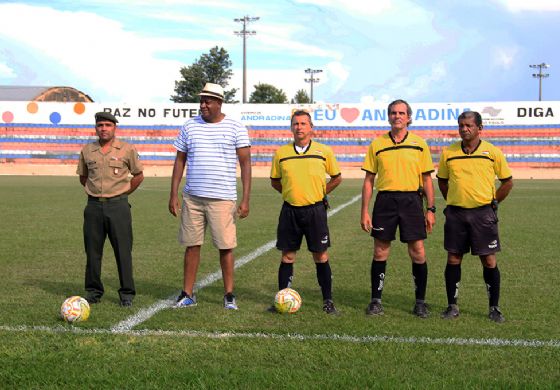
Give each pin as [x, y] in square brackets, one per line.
[244, 33]
[312, 79]
[540, 75]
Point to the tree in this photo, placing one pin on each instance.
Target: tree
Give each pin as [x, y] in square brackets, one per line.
[213, 67]
[267, 93]
[301, 96]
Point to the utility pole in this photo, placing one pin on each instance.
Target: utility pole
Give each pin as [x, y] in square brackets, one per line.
[312, 79]
[540, 75]
[245, 20]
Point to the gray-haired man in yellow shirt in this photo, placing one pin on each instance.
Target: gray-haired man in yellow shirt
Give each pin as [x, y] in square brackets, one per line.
[401, 163]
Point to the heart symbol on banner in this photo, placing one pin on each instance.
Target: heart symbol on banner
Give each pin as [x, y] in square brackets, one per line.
[349, 114]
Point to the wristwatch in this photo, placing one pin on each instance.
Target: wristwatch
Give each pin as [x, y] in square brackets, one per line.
[431, 209]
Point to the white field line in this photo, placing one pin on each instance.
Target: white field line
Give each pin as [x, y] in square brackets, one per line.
[491, 342]
[147, 313]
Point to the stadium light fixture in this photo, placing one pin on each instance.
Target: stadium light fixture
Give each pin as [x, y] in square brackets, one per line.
[312, 79]
[244, 33]
[540, 75]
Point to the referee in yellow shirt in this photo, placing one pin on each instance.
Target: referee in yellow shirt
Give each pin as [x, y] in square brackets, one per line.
[298, 172]
[402, 163]
[466, 176]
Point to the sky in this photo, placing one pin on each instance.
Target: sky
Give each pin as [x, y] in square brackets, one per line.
[131, 51]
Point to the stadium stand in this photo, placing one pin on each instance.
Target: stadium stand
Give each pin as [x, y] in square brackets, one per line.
[524, 146]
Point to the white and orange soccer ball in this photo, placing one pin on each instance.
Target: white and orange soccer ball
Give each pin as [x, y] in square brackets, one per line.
[287, 301]
[74, 309]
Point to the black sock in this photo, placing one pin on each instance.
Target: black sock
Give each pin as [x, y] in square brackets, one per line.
[420, 274]
[285, 275]
[492, 280]
[452, 280]
[377, 278]
[324, 277]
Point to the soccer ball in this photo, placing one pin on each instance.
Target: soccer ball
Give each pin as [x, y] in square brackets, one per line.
[74, 309]
[287, 301]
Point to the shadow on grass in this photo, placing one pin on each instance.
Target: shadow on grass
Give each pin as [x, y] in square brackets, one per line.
[111, 284]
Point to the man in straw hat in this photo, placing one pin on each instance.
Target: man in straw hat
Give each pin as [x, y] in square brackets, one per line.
[210, 145]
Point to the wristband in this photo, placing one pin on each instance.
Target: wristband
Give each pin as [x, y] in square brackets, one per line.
[431, 209]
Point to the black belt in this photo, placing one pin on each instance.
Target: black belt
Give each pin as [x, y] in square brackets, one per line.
[306, 206]
[112, 199]
[469, 208]
[397, 192]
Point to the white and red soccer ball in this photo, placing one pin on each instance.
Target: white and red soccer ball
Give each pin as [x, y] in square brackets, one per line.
[287, 301]
[75, 309]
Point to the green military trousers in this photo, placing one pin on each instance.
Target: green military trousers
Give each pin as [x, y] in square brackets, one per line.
[108, 218]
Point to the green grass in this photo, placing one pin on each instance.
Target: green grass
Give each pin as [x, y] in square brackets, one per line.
[42, 262]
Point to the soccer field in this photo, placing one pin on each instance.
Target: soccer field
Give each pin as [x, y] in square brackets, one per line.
[152, 346]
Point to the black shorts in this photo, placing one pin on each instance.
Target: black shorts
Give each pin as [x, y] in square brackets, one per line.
[402, 209]
[475, 229]
[296, 222]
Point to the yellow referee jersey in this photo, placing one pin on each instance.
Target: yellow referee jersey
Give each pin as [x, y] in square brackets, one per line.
[472, 176]
[303, 176]
[398, 166]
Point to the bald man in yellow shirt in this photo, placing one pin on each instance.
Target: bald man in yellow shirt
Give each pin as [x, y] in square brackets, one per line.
[466, 176]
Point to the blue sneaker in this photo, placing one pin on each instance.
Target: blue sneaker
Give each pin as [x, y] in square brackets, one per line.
[184, 300]
[229, 302]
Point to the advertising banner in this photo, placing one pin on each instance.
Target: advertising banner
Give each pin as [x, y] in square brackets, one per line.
[278, 115]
